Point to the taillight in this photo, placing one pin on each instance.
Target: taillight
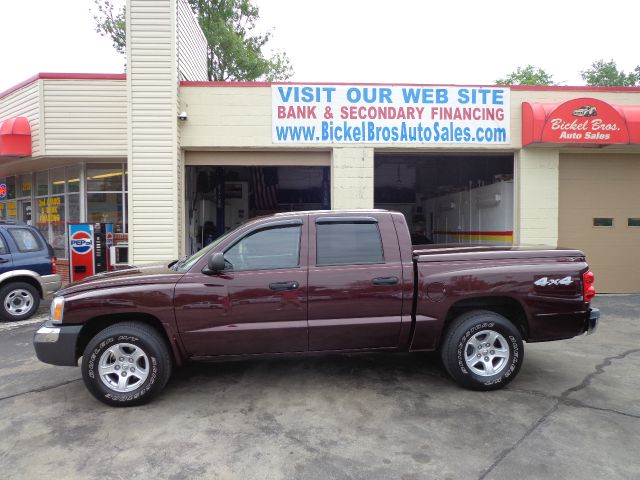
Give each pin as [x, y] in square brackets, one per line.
[588, 290]
[53, 265]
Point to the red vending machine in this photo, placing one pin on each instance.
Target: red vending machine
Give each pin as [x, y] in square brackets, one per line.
[89, 249]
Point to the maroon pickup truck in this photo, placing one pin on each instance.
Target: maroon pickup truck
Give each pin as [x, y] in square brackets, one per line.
[324, 281]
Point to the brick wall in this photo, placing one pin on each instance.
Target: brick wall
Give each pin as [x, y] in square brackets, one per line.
[352, 178]
[537, 177]
[62, 267]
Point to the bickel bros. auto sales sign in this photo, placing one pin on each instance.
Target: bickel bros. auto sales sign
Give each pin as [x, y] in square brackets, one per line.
[389, 114]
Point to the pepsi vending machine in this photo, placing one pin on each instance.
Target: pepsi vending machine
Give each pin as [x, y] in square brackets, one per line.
[89, 249]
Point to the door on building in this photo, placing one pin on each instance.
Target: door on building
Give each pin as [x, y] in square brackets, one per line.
[24, 211]
[449, 198]
[266, 271]
[599, 213]
[219, 198]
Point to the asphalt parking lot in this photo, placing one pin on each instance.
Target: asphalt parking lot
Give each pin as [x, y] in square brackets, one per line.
[573, 412]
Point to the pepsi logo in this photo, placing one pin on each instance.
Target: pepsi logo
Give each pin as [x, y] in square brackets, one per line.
[81, 243]
[109, 238]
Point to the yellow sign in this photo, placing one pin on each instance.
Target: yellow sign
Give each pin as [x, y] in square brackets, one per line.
[48, 209]
[12, 209]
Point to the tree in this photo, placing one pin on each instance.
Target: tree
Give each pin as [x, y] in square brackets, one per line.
[528, 75]
[110, 22]
[606, 74]
[234, 51]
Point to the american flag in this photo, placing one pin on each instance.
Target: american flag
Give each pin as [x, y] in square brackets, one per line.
[264, 182]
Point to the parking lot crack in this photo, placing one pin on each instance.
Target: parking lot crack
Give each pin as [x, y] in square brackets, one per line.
[41, 389]
[524, 436]
[578, 404]
[599, 370]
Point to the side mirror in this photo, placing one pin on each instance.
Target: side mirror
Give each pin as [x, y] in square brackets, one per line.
[216, 262]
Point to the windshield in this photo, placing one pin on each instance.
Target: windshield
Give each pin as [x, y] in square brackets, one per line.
[186, 263]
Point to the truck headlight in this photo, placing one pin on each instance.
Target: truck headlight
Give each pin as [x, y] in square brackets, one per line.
[56, 310]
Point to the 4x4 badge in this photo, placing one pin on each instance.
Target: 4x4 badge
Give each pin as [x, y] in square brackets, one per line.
[546, 282]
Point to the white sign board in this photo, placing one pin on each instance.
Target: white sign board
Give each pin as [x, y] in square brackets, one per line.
[389, 114]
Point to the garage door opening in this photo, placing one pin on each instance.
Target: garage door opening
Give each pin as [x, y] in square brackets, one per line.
[449, 199]
[219, 198]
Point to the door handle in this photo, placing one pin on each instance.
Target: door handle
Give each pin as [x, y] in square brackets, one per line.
[385, 281]
[280, 286]
[4, 260]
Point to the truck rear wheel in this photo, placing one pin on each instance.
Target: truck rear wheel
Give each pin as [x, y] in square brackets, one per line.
[482, 350]
[126, 364]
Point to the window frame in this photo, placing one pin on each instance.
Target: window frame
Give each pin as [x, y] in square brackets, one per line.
[123, 192]
[593, 222]
[350, 220]
[4, 245]
[270, 226]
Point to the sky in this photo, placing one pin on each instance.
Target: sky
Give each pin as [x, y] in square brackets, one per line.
[404, 41]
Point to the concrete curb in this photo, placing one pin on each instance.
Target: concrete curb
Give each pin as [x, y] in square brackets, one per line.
[12, 325]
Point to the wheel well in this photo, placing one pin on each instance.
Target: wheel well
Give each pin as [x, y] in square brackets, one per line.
[505, 306]
[25, 279]
[99, 323]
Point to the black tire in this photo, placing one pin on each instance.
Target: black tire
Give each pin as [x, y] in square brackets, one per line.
[129, 339]
[465, 339]
[20, 301]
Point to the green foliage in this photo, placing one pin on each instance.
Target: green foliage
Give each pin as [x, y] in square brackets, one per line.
[110, 22]
[234, 51]
[528, 75]
[606, 74]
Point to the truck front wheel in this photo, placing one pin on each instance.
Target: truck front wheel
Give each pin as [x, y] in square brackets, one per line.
[482, 350]
[126, 364]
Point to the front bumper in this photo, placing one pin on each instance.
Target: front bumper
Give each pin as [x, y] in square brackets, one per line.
[50, 284]
[593, 317]
[56, 344]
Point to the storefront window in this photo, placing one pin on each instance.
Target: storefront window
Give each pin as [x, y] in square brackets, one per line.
[42, 183]
[57, 202]
[12, 211]
[50, 200]
[56, 177]
[106, 195]
[107, 177]
[73, 208]
[105, 208]
[73, 179]
[50, 220]
[24, 185]
[11, 187]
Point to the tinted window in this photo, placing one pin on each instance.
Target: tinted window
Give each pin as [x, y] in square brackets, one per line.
[25, 239]
[266, 249]
[348, 244]
[3, 247]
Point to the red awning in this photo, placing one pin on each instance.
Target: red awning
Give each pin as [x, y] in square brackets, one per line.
[15, 137]
[580, 121]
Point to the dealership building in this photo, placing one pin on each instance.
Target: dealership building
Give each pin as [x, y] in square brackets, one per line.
[174, 161]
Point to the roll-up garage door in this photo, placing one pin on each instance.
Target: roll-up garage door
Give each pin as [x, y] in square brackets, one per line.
[600, 214]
